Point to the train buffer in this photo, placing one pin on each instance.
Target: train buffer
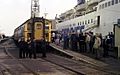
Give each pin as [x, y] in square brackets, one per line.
[100, 64]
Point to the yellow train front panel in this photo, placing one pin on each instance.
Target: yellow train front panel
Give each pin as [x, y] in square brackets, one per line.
[48, 31]
[38, 31]
[26, 32]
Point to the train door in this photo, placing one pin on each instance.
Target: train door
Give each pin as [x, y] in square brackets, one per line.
[48, 32]
[38, 30]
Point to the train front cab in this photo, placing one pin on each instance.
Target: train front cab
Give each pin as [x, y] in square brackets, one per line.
[39, 33]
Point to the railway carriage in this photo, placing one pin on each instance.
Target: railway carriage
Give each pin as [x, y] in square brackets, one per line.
[34, 28]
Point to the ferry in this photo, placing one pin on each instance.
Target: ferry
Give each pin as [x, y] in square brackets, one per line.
[98, 16]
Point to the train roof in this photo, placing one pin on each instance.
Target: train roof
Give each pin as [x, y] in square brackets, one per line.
[35, 19]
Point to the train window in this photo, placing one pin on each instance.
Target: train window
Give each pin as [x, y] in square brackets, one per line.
[29, 27]
[39, 26]
[47, 23]
[46, 27]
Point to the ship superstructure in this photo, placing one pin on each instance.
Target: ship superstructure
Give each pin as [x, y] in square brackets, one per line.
[91, 15]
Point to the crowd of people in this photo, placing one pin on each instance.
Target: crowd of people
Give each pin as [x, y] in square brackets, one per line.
[29, 48]
[85, 42]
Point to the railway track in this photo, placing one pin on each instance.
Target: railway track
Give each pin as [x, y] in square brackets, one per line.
[11, 66]
[4, 71]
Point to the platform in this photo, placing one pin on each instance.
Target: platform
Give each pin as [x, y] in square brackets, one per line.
[109, 64]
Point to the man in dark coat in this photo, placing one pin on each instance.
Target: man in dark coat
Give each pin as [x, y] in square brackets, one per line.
[21, 50]
[74, 40]
[32, 49]
[66, 41]
[43, 47]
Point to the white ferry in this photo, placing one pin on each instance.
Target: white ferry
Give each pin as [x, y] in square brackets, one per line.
[91, 15]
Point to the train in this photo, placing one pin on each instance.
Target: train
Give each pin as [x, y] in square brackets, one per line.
[35, 28]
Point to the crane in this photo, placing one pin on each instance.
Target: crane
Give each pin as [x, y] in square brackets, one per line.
[35, 8]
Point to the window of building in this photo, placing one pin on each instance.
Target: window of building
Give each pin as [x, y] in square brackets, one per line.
[102, 6]
[105, 4]
[109, 3]
[112, 2]
[116, 1]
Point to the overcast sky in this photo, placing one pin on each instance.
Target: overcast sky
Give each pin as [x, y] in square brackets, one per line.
[14, 12]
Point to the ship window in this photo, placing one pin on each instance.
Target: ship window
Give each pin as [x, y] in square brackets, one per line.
[73, 24]
[80, 23]
[105, 4]
[116, 1]
[109, 3]
[91, 20]
[85, 22]
[88, 21]
[102, 6]
[112, 2]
